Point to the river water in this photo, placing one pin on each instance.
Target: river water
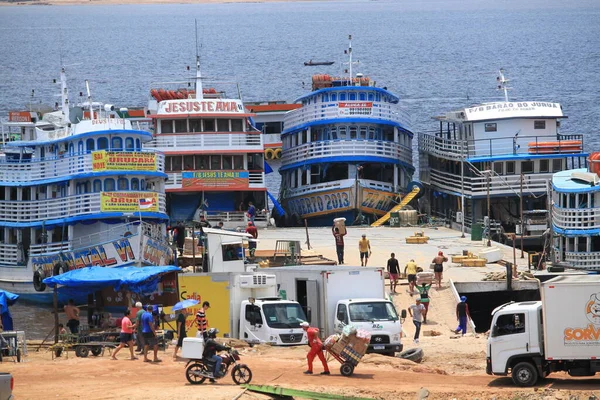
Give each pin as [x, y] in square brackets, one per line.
[437, 55]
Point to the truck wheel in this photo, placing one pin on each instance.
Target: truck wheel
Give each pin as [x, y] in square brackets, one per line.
[415, 355]
[82, 351]
[524, 374]
[192, 373]
[347, 369]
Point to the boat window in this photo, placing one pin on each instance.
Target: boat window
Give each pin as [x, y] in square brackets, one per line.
[333, 97]
[201, 162]
[87, 186]
[97, 185]
[168, 164]
[79, 147]
[166, 126]
[209, 125]
[342, 96]
[544, 166]
[370, 97]
[353, 132]
[135, 184]
[362, 96]
[138, 144]
[176, 163]
[102, 143]
[195, 125]
[227, 162]
[123, 184]
[71, 149]
[378, 97]
[255, 161]
[490, 127]
[181, 126]
[222, 125]
[129, 144]
[510, 168]
[215, 162]
[352, 96]
[238, 162]
[109, 185]
[556, 165]
[142, 184]
[539, 124]
[188, 163]
[342, 132]
[499, 168]
[237, 125]
[527, 167]
[388, 133]
[117, 143]
[325, 97]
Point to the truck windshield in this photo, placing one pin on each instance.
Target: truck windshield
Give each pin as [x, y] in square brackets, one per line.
[372, 311]
[285, 315]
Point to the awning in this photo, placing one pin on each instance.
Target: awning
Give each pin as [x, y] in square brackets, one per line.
[92, 279]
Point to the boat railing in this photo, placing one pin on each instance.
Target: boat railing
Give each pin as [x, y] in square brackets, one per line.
[205, 140]
[331, 110]
[56, 167]
[43, 248]
[318, 187]
[356, 147]
[576, 218]
[377, 185]
[9, 254]
[22, 211]
[456, 149]
[583, 259]
[214, 217]
[256, 179]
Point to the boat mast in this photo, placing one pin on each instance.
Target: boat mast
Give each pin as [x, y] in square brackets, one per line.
[502, 84]
[350, 58]
[199, 94]
[89, 98]
[64, 94]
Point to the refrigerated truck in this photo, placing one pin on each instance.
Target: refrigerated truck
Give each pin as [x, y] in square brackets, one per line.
[532, 339]
[245, 306]
[333, 297]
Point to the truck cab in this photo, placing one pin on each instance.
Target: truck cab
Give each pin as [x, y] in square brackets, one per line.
[272, 320]
[377, 316]
[515, 343]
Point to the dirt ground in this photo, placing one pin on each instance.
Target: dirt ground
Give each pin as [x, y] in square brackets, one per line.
[456, 373]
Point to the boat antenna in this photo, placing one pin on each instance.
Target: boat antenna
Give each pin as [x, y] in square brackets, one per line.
[350, 62]
[199, 94]
[89, 98]
[502, 81]
[64, 93]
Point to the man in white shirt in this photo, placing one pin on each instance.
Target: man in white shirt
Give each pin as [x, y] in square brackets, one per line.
[416, 312]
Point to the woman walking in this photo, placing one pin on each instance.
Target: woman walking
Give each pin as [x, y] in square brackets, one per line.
[425, 300]
[181, 332]
[126, 337]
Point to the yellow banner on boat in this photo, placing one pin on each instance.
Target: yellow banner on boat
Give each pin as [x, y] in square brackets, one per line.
[128, 201]
[103, 160]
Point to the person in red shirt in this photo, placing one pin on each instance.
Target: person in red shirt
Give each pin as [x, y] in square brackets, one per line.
[316, 349]
[339, 243]
[251, 229]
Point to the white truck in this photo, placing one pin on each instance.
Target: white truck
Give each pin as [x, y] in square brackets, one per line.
[532, 339]
[245, 306]
[336, 296]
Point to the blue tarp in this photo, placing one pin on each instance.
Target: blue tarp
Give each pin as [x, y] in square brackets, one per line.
[268, 168]
[278, 207]
[92, 279]
[7, 299]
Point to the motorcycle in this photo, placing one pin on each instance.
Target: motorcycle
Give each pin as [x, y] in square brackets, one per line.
[197, 371]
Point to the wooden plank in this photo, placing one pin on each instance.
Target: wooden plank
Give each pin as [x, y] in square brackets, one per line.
[279, 391]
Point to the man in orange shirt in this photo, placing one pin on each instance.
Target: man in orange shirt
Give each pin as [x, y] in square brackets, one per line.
[316, 349]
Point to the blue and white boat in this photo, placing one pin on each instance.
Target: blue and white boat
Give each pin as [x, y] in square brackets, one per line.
[347, 152]
[491, 164]
[77, 189]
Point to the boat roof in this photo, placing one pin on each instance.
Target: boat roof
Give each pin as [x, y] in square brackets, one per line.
[575, 180]
[505, 110]
[395, 99]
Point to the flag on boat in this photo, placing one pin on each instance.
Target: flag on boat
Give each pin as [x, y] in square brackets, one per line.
[146, 203]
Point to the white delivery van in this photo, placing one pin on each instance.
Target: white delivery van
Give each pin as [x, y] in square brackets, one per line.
[530, 340]
[336, 296]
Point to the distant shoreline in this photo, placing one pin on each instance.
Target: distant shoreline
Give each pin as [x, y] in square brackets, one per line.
[124, 2]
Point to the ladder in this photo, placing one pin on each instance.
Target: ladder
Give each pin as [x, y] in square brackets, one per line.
[399, 207]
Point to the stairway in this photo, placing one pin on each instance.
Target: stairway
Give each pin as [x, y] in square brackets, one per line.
[399, 207]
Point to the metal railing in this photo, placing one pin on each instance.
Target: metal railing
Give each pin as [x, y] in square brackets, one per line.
[456, 149]
[208, 141]
[9, 254]
[256, 180]
[578, 259]
[333, 148]
[576, 218]
[317, 187]
[331, 110]
[68, 165]
[37, 249]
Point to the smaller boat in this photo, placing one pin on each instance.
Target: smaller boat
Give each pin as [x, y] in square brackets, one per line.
[312, 63]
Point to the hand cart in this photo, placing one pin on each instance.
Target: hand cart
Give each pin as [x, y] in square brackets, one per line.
[348, 350]
[12, 344]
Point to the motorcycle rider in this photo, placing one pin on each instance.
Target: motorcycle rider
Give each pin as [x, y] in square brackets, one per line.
[211, 347]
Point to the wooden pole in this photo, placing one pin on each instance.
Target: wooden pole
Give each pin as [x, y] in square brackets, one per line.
[55, 301]
[307, 237]
[522, 222]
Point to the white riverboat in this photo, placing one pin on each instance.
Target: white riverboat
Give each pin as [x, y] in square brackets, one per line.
[489, 165]
[77, 189]
[347, 151]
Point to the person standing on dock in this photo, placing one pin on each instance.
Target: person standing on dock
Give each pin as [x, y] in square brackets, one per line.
[149, 332]
[139, 337]
[393, 270]
[316, 349]
[462, 315]
[251, 212]
[339, 244]
[364, 247]
[416, 312]
[72, 316]
[438, 268]
[411, 275]
[202, 322]
[252, 231]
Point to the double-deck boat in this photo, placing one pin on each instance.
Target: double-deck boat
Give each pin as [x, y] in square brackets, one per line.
[347, 151]
[77, 189]
[214, 155]
[489, 166]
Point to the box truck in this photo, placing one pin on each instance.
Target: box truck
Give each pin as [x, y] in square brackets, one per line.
[532, 339]
[245, 306]
[333, 297]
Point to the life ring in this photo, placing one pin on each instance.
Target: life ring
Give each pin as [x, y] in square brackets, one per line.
[38, 285]
[60, 268]
[269, 154]
[277, 154]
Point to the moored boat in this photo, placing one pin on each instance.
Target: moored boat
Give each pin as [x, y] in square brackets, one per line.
[347, 151]
[312, 63]
[77, 189]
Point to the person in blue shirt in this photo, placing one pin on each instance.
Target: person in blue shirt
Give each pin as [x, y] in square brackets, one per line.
[149, 334]
[251, 212]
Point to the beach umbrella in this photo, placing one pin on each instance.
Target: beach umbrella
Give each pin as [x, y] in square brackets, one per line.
[185, 304]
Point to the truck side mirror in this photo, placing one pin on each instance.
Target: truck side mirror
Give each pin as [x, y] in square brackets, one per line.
[309, 314]
[403, 314]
